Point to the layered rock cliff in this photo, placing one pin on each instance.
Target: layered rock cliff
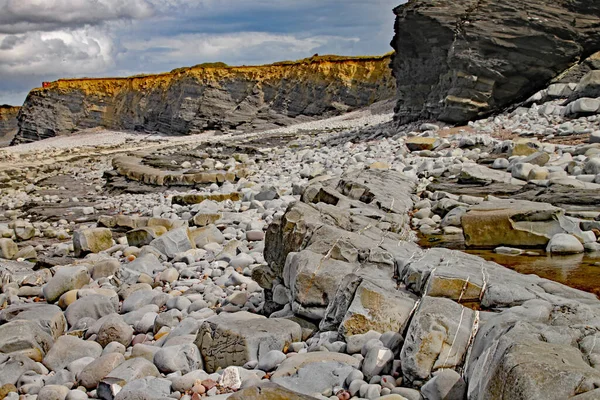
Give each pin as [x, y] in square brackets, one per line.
[208, 97]
[457, 60]
[8, 123]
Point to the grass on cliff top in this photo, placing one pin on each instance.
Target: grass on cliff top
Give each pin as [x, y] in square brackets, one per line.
[309, 60]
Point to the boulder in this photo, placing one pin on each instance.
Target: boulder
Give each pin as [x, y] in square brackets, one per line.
[563, 243]
[92, 240]
[268, 391]
[378, 309]
[184, 358]
[114, 329]
[446, 384]
[519, 352]
[207, 234]
[314, 372]
[437, 338]
[94, 306]
[205, 218]
[174, 242]
[144, 236]
[8, 248]
[457, 61]
[15, 365]
[68, 349]
[148, 388]
[235, 339]
[94, 372]
[130, 370]
[66, 279]
[49, 317]
[26, 337]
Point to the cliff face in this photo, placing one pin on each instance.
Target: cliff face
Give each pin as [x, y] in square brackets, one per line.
[457, 60]
[214, 97]
[8, 124]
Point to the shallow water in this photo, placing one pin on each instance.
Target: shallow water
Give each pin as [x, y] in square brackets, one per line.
[581, 271]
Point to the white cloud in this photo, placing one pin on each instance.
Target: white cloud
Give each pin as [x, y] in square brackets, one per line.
[256, 47]
[71, 52]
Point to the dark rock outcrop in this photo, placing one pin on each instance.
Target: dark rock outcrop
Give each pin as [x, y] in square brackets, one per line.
[8, 124]
[457, 60]
[214, 97]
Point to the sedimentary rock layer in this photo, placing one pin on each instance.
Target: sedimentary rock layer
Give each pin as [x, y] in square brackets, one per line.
[458, 60]
[8, 123]
[214, 97]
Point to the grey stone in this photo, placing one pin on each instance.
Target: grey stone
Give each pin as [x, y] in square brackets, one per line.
[234, 339]
[379, 309]
[130, 370]
[376, 361]
[147, 388]
[53, 392]
[445, 385]
[94, 372]
[314, 372]
[355, 343]
[94, 306]
[187, 381]
[563, 243]
[114, 329]
[142, 298]
[184, 358]
[8, 248]
[92, 240]
[206, 235]
[173, 242]
[65, 279]
[585, 105]
[437, 338]
[68, 349]
[49, 317]
[269, 361]
[26, 337]
[105, 268]
[15, 365]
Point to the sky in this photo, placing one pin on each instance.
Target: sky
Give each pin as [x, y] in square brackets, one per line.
[44, 40]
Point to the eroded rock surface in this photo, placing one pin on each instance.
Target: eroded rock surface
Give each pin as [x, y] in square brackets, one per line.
[459, 60]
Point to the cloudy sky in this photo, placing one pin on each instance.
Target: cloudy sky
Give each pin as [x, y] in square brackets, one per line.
[43, 40]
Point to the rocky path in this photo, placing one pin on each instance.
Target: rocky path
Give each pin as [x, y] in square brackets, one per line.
[285, 265]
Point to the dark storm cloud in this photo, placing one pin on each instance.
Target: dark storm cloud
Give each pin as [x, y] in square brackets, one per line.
[22, 16]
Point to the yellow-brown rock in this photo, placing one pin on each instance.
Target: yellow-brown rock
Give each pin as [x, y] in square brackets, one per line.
[208, 97]
[417, 143]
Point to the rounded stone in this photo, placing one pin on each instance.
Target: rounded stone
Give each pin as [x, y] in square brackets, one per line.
[563, 243]
[271, 360]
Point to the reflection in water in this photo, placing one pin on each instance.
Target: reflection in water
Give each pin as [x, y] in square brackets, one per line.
[581, 271]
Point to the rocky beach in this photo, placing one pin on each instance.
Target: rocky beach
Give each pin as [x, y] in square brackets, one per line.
[331, 228]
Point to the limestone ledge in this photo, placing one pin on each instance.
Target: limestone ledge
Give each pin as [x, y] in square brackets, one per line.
[132, 168]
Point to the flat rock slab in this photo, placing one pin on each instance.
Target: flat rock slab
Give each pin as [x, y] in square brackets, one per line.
[513, 223]
[234, 339]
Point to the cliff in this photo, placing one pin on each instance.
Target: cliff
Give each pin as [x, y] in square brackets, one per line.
[208, 97]
[8, 123]
[457, 60]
